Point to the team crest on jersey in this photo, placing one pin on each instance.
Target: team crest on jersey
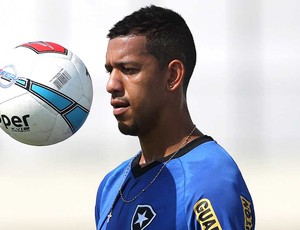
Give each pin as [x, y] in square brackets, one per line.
[247, 213]
[206, 215]
[142, 217]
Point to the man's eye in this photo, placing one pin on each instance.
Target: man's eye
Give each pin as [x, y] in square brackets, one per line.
[129, 71]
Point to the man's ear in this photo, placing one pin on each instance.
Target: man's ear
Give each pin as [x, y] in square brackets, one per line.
[176, 70]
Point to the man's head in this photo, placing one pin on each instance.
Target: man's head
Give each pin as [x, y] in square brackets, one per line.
[168, 36]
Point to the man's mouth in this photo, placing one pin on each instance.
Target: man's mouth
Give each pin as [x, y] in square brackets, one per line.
[120, 106]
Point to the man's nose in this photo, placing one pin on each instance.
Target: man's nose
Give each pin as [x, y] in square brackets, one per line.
[114, 83]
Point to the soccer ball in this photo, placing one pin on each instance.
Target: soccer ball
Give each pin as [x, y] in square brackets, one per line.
[45, 93]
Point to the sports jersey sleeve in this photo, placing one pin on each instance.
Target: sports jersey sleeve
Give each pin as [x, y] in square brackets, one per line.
[216, 194]
[106, 194]
[226, 213]
[99, 199]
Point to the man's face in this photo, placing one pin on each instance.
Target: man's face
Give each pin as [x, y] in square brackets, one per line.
[137, 84]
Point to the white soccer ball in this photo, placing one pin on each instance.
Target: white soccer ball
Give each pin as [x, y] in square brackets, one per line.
[45, 93]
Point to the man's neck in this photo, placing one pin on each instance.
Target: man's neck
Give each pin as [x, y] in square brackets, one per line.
[162, 143]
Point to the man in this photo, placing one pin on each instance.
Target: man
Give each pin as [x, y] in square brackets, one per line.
[181, 178]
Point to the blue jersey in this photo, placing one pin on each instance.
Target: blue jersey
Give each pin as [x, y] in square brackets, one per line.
[201, 188]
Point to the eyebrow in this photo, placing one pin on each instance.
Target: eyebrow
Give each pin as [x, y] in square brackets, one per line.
[108, 67]
[121, 64]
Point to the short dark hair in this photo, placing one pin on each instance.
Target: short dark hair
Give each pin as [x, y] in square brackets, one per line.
[168, 36]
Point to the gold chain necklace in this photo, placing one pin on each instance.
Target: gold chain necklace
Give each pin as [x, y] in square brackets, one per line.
[152, 181]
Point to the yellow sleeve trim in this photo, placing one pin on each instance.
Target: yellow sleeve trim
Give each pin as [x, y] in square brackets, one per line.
[247, 213]
[206, 215]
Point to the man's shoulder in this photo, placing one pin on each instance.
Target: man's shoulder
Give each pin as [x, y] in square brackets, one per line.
[209, 155]
[209, 165]
[111, 182]
[117, 172]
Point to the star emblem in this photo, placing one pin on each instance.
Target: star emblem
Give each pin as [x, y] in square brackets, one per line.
[143, 216]
[141, 219]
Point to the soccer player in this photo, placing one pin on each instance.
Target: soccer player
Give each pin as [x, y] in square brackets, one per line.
[180, 179]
